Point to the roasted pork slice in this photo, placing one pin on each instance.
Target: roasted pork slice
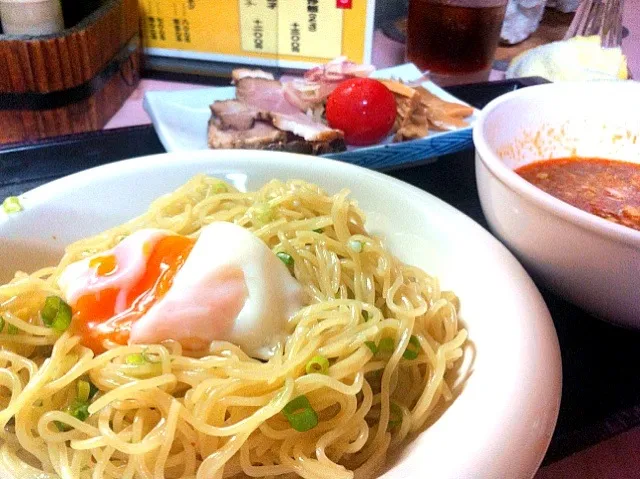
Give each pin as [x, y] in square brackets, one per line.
[237, 115]
[261, 117]
[260, 135]
[240, 73]
[298, 145]
[264, 136]
[265, 95]
[233, 114]
[306, 127]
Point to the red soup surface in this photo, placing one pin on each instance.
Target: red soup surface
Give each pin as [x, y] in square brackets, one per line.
[606, 188]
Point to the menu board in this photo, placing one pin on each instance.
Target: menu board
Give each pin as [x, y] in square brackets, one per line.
[287, 33]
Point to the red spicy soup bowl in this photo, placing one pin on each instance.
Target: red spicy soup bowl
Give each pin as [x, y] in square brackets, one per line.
[592, 262]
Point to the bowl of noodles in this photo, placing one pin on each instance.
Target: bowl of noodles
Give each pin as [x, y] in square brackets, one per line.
[255, 314]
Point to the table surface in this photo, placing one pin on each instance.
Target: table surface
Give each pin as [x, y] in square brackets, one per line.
[597, 434]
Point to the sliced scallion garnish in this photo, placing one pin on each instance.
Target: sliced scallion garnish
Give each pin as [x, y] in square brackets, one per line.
[365, 315]
[372, 346]
[386, 345]
[93, 390]
[318, 364]
[300, 414]
[261, 214]
[220, 187]
[395, 416]
[413, 348]
[77, 409]
[11, 204]
[84, 390]
[2, 323]
[286, 258]
[11, 329]
[135, 359]
[56, 314]
[62, 427]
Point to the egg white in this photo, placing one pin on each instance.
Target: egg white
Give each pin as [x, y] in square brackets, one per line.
[194, 310]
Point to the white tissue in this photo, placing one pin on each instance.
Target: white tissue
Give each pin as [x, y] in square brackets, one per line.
[521, 19]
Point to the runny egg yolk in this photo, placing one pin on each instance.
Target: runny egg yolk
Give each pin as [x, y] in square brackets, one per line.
[155, 286]
[96, 318]
[104, 265]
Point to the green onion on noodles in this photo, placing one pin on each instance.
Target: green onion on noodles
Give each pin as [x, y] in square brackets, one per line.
[300, 414]
[318, 364]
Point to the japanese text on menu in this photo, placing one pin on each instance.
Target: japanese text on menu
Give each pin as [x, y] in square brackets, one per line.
[176, 27]
[310, 28]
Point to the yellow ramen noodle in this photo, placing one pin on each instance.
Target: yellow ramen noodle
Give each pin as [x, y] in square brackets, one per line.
[387, 332]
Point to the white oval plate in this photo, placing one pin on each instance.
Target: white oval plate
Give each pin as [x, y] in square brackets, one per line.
[180, 119]
[501, 423]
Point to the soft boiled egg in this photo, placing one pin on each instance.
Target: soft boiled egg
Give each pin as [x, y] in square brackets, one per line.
[155, 285]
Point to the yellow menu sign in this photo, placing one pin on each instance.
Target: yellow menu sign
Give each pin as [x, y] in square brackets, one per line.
[288, 33]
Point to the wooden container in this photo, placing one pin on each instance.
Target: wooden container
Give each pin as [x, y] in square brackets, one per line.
[69, 82]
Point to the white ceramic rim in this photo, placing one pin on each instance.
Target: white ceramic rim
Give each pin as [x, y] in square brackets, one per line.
[522, 187]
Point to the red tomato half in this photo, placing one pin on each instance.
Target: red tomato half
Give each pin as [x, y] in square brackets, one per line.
[363, 108]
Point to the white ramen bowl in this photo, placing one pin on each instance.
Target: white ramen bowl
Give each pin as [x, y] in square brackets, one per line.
[501, 422]
[590, 261]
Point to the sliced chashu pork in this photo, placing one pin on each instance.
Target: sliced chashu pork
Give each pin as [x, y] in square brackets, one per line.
[260, 135]
[265, 95]
[262, 99]
[240, 73]
[234, 124]
[264, 136]
[235, 115]
[304, 126]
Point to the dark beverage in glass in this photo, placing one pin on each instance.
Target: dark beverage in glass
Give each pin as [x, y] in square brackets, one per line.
[454, 37]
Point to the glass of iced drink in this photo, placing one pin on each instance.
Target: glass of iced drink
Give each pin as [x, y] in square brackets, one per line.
[455, 40]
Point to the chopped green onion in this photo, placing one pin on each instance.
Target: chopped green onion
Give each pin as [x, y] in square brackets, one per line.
[62, 427]
[56, 314]
[286, 258]
[93, 390]
[262, 214]
[395, 416]
[386, 345]
[11, 204]
[220, 187]
[365, 315]
[318, 230]
[356, 246]
[84, 390]
[318, 364]
[11, 329]
[1, 324]
[78, 409]
[135, 359]
[372, 346]
[413, 348]
[300, 414]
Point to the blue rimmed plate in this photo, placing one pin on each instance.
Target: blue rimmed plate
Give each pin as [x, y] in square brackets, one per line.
[180, 119]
